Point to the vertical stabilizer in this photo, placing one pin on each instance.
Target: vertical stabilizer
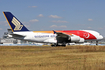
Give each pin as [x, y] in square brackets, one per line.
[14, 23]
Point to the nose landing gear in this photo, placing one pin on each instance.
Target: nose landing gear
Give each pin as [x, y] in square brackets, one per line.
[96, 42]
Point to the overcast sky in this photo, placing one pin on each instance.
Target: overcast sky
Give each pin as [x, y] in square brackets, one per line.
[55, 14]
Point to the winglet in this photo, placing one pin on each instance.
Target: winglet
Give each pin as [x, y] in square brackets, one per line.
[54, 32]
[14, 23]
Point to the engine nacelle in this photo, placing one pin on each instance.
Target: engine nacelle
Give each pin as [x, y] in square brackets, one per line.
[81, 40]
[74, 38]
[77, 39]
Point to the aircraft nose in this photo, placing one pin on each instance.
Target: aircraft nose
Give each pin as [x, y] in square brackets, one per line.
[100, 37]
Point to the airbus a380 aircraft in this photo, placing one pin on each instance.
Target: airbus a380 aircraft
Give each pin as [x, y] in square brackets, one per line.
[19, 31]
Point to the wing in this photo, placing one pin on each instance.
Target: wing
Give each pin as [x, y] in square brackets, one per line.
[62, 37]
[67, 37]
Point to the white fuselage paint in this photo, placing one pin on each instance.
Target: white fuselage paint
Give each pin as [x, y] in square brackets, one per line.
[38, 37]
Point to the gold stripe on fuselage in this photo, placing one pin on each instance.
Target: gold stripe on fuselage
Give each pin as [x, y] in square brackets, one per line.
[43, 31]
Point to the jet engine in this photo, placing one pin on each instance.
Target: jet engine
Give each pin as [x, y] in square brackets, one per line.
[81, 40]
[75, 38]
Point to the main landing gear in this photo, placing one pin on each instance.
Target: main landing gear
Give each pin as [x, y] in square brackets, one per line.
[56, 44]
[96, 42]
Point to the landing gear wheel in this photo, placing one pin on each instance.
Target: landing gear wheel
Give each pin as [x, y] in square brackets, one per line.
[96, 42]
[64, 44]
[54, 45]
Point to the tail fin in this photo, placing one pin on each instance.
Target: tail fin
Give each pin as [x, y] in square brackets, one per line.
[14, 23]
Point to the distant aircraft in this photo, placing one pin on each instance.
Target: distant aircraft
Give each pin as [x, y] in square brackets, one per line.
[54, 37]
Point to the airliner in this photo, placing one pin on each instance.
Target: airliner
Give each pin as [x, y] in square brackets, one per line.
[54, 37]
